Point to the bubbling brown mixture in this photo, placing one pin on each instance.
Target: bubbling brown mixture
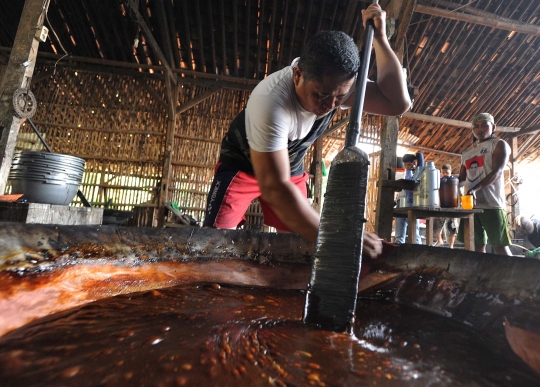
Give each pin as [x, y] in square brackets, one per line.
[218, 335]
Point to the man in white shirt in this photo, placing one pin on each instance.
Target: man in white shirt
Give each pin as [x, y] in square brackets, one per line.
[262, 154]
[481, 175]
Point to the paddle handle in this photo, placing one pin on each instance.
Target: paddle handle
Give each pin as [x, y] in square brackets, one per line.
[39, 135]
[353, 129]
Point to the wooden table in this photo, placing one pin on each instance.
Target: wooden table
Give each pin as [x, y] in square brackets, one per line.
[414, 213]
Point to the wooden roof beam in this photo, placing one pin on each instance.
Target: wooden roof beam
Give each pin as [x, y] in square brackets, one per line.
[18, 75]
[283, 31]
[526, 146]
[193, 77]
[449, 5]
[151, 40]
[235, 39]
[197, 100]
[430, 150]
[271, 56]
[328, 131]
[210, 30]
[168, 42]
[293, 31]
[223, 38]
[402, 144]
[404, 15]
[349, 16]
[201, 38]
[494, 21]
[246, 44]
[531, 130]
[260, 40]
[456, 123]
[187, 43]
[169, 11]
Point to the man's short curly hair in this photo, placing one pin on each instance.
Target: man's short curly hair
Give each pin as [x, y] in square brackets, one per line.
[329, 53]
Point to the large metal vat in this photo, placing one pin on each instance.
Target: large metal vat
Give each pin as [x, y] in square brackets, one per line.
[49, 269]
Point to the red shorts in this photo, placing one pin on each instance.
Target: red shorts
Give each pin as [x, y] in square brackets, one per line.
[231, 194]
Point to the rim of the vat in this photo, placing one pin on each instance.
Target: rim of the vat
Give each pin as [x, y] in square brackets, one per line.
[47, 181]
[47, 171]
[40, 161]
[46, 167]
[48, 155]
[45, 164]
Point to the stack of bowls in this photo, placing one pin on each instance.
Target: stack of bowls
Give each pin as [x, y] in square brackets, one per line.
[44, 177]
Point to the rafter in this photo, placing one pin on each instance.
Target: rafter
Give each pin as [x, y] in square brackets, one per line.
[493, 21]
[197, 100]
[164, 32]
[456, 123]
[151, 40]
[526, 146]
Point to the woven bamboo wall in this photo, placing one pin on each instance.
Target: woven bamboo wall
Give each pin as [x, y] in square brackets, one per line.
[116, 123]
[197, 142]
[371, 199]
[371, 125]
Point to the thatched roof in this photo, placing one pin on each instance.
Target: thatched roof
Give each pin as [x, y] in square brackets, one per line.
[463, 56]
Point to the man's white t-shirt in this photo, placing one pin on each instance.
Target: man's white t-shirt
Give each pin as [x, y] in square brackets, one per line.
[478, 162]
[274, 115]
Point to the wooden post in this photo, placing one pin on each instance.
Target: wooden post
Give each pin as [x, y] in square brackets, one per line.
[468, 232]
[387, 171]
[411, 229]
[513, 164]
[18, 75]
[429, 231]
[402, 12]
[317, 157]
[167, 162]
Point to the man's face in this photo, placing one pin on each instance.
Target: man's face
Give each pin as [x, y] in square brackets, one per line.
[320, 97]
[473, 169]
[482, 129]
[446, 172]
[409, 165]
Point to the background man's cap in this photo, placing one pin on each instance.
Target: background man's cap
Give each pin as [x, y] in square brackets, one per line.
[523, 225]
[409, 158]
[483, 117]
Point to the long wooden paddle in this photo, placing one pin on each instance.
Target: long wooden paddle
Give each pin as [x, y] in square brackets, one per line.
[331, 296]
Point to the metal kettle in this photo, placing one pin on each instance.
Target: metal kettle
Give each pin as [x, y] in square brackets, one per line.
[428, 190]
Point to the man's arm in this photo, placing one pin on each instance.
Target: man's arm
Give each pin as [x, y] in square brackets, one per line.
[499, 160]
[273, 173]
[388, 95]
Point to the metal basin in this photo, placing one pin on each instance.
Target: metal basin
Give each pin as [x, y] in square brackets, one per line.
[495, 299]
